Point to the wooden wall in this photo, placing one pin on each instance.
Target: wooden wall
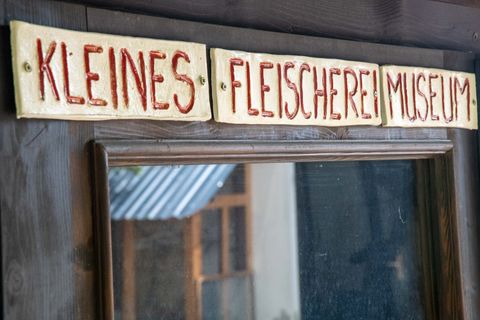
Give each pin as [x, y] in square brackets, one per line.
[420, 23]
[48, 264]
[45, 203]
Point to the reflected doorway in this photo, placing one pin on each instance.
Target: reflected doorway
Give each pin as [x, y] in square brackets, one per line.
[318, 240]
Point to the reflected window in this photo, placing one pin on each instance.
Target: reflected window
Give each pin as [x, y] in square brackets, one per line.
[266, 241]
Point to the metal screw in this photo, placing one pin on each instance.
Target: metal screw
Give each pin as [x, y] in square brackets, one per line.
[223, 86]
[202, 80]
[375, 93]
[474, 102]
[27, 67]
[475, 36]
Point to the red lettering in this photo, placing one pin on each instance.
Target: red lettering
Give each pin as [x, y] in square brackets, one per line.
[92, 76]
[279, 78]
[251, 111]
[235, 84]
[44, 68]
[420, 92]
[66, 83]
[396, 86]
[450, 85]
[141, 83]
[113, 77]
[375, 100]
[184, 78]
[466, 85]
[293, 87]
[405, 95]
[363, 93]
[414, 96]
[447, 119]
[303, 67]
[333, 92]
[320, 92]
[264, 88]
[349, 94]
[432, 95]
[156, 78]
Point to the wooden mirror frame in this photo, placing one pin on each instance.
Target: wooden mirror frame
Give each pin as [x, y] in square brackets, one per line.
[440, 244]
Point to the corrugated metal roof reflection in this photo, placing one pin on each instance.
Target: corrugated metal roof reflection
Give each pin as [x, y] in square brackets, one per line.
[164, 192]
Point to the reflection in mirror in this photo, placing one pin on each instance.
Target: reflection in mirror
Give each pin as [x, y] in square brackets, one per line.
[266, 241]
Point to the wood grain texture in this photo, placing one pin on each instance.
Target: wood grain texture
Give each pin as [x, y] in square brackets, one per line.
[465, 177]
[44, 197]
[256, 40]
[422, 23]
[447, 276]
[466, 3]
[47, 12]
[147, 152]
[212, 130]
[103, 233]
[2, 12]
[425, 247]
[82, 239]
[466, 220]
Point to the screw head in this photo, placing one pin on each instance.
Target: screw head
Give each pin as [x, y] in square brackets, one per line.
[223, 86]
[474, 102]
[475, 36]
[27, 67]
[375, 93]
[202, 80]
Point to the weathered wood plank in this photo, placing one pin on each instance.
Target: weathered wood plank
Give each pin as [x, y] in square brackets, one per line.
[408, 22]
[46, 12]
[2, 12]
[257, 41]
[83, 245]
[466, 184]
[213, 130]
[147, 152]
[301, 17]
[44, 196]
[466, 3]
[466, 181]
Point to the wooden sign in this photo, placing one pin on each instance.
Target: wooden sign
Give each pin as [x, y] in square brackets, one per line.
[86, 76]
[255, 88]
[420, 97]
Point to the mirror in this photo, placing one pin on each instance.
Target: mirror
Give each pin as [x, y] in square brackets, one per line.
[313, 240]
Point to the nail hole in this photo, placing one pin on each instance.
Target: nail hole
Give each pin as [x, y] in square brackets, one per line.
[27, 67]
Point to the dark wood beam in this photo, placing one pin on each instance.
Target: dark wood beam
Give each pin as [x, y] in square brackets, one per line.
[48, 258]
[420, 23]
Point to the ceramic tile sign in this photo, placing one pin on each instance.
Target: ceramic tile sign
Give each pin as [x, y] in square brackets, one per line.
[420, 97]
[87, 76]
[253, 88]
